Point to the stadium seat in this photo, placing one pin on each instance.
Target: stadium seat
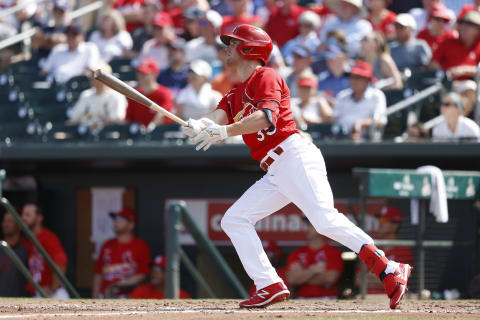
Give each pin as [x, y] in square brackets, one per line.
[325, 131]
[393, 96]
[20, 131]
[56, 132]
[121, 64]
[167, 133]
[49, 113]
[15, 113]
[117, 132]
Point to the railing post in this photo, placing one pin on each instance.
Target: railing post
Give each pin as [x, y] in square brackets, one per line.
[26, 273]
[3, 174]
[196, 275]
[30, 236]
[174, 217]
[363, 212]
[420, 246]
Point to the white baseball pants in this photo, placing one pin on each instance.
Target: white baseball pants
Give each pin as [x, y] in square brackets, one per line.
[298, 175]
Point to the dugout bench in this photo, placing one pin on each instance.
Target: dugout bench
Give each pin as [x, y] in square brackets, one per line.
[409, 184]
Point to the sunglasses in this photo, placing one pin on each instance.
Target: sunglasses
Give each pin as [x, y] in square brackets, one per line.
[448, 104]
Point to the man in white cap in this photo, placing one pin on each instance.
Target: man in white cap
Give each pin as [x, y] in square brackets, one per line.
[350, 14]
[203, 47]
[407, 51]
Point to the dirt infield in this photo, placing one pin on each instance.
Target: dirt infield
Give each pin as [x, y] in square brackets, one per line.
[228, 309]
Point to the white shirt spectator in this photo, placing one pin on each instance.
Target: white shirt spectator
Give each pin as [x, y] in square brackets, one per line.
[159, 53]
[197, 105]
[310, 113]
[355, 30]
[112, 47]
[11, 19]
[466, 128]
[94, 109]
[197, 49]
[372, 106]
[64, 64]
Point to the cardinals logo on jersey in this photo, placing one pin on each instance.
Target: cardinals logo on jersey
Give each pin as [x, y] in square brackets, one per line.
[247, 110]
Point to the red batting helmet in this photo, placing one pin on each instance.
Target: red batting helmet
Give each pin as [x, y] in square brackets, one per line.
[256, 43]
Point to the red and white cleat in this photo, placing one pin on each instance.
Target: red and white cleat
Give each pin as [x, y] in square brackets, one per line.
[274, 293]
[396, 284]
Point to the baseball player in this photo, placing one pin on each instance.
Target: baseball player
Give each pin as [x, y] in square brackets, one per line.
[259, 110]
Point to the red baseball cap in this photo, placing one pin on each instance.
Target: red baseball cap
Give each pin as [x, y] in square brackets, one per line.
[307, 82]
[126, 213]
[363, 69]
[148, 66]
[439, 10]
[391, 214]
[162, 19]
[159, 262]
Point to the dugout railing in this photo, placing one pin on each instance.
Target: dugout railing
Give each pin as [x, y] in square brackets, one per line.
[409, 184]
[31, 237]
[178, 218]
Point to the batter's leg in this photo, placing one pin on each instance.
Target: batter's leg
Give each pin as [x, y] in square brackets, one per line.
[259, 201]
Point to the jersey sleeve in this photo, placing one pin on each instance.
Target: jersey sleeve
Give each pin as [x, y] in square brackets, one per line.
[224, 105]
[56, 251]
[144, 258]
[268, 89]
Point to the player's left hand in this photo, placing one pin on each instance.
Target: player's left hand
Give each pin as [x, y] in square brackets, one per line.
[213, 133]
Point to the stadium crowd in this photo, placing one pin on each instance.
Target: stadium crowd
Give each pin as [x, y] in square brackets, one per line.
[343, 60]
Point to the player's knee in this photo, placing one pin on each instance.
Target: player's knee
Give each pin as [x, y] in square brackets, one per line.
[226, 223]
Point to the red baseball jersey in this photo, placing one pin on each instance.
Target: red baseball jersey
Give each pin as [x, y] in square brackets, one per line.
[118, 261]
[148, 291]
[140, 114]
[307, 257]
[435, 41]
[39, 268]
[453, 53]
[283, 26]
[264, 85]
[125, 6]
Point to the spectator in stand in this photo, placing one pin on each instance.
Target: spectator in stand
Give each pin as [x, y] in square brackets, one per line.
[282, 24]
[467, 89]
[390, 219]
[228, 77]
[100, 105]
[381, 18]
[315, 269]
[51, 33]
[420, 15]
[157, 48]
[239, 15]
[197, 98]
[350, 20]
[175, 76]
[12, 281]
[308, 22]
[460, 56]
[131, 10]
[67, 60]
[309, 107]
[147, 73]
[468, 7]
[20, 17]
[191, 18]
[455, 125]
[375, 51]
[32, 216]
[362, 106]
[408, 52]
[302, 58]
[204, 47]
[156, 287]
[274, 254]
[123, 260]
[111, 38]
[335, 78]
[145, 32]
[437, 30]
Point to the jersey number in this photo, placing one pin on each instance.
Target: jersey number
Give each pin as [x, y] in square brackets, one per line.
[261, 134]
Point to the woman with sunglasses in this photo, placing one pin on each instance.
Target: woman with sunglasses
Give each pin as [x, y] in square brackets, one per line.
[454, 124]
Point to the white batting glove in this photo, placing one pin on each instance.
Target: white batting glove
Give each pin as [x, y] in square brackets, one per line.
[195, 126]
[213, 133]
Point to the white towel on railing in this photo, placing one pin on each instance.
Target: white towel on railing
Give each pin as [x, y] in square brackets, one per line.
[438, 201]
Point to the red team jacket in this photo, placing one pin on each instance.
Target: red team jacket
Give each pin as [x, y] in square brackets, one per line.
[118, 261]
[265, 84]
[39, 268]
[330, 255]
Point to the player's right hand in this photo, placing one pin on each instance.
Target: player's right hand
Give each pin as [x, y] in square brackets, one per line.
[195, 126]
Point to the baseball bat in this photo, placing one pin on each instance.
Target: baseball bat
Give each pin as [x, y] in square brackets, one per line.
[120, 86]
